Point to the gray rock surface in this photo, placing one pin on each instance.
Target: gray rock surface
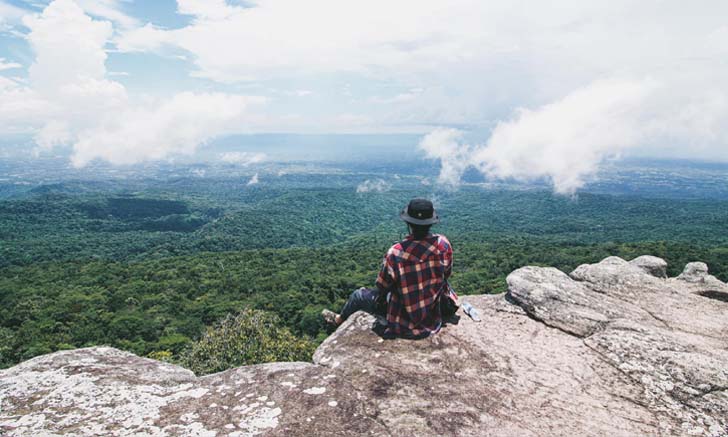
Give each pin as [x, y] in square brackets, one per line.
[652, 265]
[614, 349]
[695, 279]
[694, 272]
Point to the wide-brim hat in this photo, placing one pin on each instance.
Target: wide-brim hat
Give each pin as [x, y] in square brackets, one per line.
[419, 212]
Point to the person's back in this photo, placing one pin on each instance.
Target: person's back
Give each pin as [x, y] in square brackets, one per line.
[415, 273]
[412, 289]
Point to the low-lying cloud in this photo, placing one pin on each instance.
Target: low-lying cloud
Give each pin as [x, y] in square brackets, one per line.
[175, 126]
[566, 141]
[242, 158]
[373, 185]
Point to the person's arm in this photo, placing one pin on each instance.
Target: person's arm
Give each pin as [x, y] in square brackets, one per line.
[448, 258]
[385, 282]
[385, 279]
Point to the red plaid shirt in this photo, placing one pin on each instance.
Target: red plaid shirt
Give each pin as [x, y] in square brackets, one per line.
[415, 272]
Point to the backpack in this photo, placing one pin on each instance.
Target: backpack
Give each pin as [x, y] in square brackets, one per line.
[448, 301]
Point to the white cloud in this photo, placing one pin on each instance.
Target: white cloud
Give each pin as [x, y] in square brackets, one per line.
[69, 99]
[6, 84]
[207, 9]
[5, 65]
[145, 38]
[111, 10]
[10, 14]
[406, 66]
[254, 180]
[461, 62]
[69, 54]
[445, 144]
[54, 133]
[376, 185]
[231, 43]
[242, 158]
[565, 141]
[175, 126]
[22, 110]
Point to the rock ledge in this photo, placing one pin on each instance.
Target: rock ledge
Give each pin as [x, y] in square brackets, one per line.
[614, 348]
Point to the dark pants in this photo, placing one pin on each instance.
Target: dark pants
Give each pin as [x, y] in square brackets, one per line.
[364, 299]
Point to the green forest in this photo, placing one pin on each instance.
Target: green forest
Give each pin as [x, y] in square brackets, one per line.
[163, 272]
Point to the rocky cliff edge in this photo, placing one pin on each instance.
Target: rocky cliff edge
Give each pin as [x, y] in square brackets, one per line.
[613, 349]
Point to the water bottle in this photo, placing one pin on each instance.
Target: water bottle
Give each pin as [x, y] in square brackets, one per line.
[471, 311]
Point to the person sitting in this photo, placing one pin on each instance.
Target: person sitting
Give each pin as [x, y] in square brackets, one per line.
[412, 289]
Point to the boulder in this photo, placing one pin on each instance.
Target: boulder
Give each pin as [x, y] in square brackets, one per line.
[696, 279]
[613, 349]
[694, 272]
[652, 265]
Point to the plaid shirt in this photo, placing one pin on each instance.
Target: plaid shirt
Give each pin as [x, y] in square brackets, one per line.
[415, 272]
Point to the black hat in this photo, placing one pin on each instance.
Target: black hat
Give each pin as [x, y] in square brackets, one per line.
[419, 212]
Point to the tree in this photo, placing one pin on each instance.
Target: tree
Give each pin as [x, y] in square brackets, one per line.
[250, 337]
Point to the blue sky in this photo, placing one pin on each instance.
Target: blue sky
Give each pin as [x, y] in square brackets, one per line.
[512, 89]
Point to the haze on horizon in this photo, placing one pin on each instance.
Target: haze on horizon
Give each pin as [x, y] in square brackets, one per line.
[514, 90]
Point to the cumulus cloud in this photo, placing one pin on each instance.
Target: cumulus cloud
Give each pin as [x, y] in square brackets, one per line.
[22, 110]
[70, 100]
[176, 126]
[254, 180]
[242, 158]
[53, 133]
[375, 185]
[446, 145]
[565, 141]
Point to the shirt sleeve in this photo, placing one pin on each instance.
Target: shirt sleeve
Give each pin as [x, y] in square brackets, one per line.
[385, 279]
[446, 247]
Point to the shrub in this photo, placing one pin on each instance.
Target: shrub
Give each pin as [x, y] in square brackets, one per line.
[165, 356]
[250, 337]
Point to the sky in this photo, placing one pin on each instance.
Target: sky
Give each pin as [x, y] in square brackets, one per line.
[511, 88]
